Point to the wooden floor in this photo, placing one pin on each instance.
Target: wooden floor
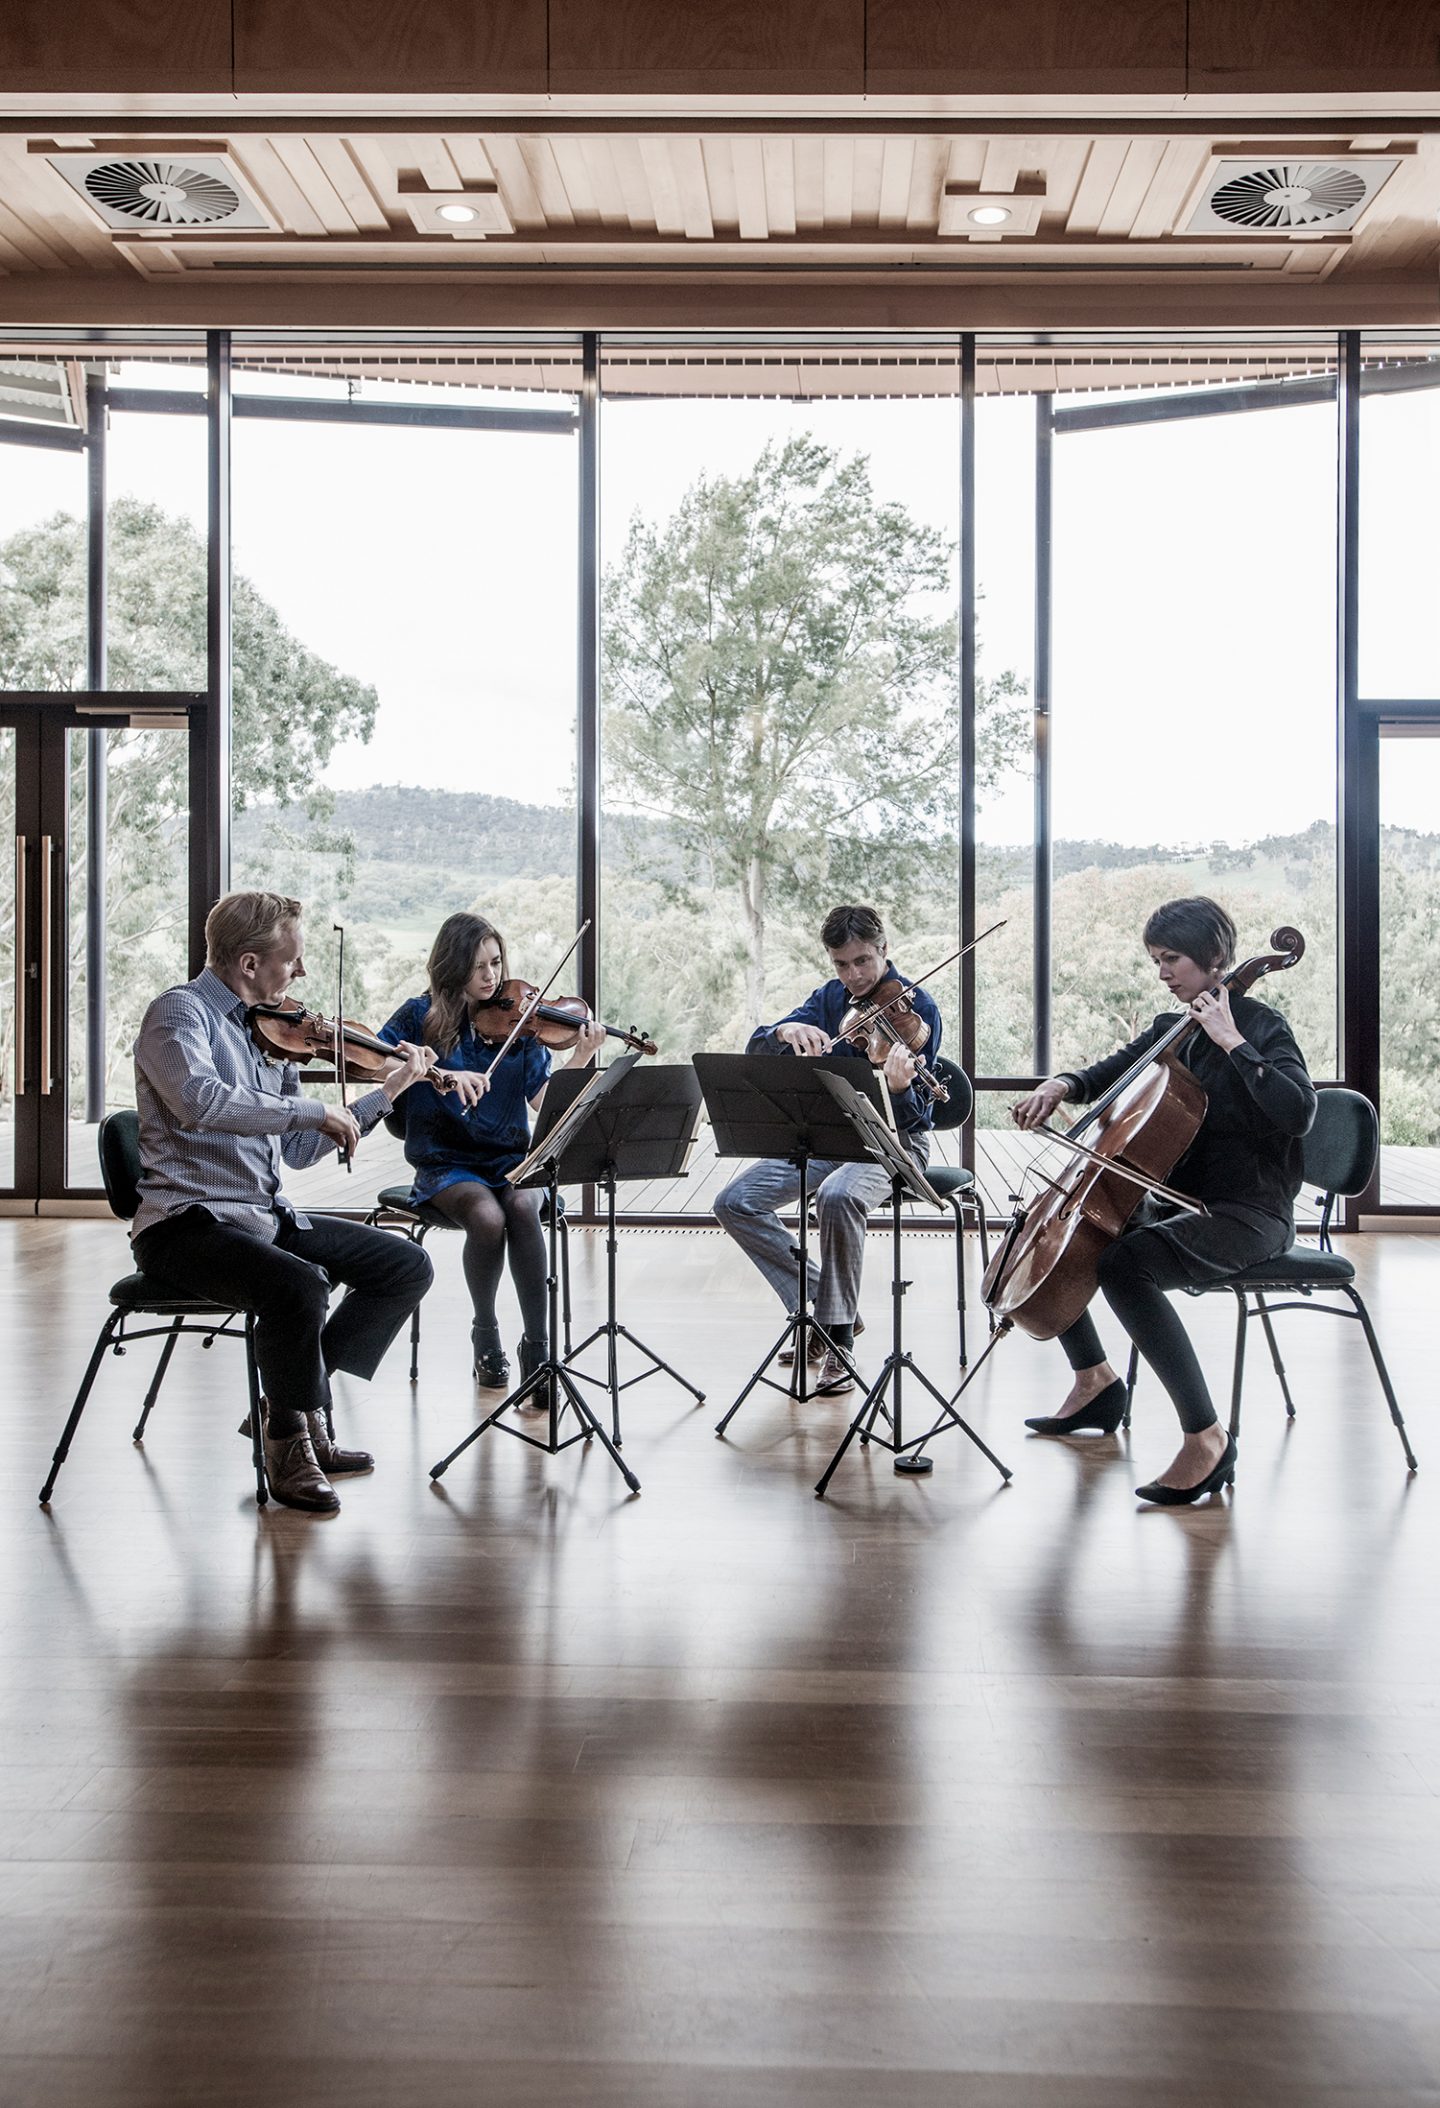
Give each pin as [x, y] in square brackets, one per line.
[518, 1790]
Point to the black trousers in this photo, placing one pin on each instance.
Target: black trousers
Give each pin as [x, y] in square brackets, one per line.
[287, 1285]
[1166, 1251]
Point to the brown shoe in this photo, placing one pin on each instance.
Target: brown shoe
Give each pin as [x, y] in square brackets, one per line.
[834, 1377]
[295, 1478]
[334, 1461]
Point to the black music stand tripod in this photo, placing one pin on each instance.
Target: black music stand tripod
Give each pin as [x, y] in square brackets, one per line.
[887, 1150]
[765, 1105]
[643, 1128]
[552, 1385]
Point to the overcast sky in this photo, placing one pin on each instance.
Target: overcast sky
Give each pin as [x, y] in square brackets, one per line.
[1194, 584]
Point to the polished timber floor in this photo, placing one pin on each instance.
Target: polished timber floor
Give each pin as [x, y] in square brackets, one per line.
[518, 1790]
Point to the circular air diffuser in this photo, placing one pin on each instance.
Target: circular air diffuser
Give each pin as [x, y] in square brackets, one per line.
[162, 193]
[1289, 194]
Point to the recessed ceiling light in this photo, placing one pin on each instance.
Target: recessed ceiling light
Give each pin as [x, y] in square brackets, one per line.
[458, 215]
[988, 216]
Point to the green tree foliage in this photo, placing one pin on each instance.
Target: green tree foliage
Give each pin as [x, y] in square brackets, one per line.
[781, 689]
[291, 709]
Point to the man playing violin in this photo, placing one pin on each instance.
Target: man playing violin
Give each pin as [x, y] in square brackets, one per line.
[217, 1120]
[844, 1194]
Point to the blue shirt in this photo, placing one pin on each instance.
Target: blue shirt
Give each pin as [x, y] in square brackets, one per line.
[218, 1117]
[447, 1143]
[825, 1007]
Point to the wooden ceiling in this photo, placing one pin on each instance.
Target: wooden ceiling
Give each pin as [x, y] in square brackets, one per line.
[766, 163]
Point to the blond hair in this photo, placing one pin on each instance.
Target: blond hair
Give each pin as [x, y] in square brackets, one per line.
[246, 922]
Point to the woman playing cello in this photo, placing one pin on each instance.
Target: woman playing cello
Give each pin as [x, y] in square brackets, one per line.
[1245, 1165]
[463, 1155]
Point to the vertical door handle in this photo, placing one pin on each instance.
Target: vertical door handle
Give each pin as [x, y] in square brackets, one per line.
[21, 845]
[47, 851]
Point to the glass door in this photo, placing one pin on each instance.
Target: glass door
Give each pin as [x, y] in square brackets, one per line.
[93, 924]
[1409, 962]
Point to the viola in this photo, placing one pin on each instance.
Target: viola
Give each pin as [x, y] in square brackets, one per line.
[1047, 1269]
[885, 1019]
[288, 1031]
[556, 1021]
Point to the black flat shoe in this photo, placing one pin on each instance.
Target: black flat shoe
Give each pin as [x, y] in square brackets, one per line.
[1103, 1415]
[1182, 1496]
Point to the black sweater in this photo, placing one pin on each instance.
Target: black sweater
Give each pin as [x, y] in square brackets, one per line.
[1261, 1103]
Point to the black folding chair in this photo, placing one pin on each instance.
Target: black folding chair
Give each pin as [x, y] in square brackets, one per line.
[1340, 1153]
[394, 1210]
[136, 1296]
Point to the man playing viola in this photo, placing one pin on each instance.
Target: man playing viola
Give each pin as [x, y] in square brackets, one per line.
[844, 1194]
[217, 1119]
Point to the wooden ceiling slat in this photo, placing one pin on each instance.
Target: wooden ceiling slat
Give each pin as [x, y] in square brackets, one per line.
[839, 182]
[689, 166]
[927, 180]
[664, 181]
[278, 187]
[634, 184]
[720, 184]
[748, 163]
[47, 227]
[1004, 159]
[1137, 172]
[512, 173]
[1179, 169]
[1103, 164]
[605, 185]
[347, 179]
[310, 178]
[779, 163]
[896, 165]
[426, 151]
[575, 175]
[472, 163]
[549, 187]
[375, 158]
[809, 185]
[869, 158]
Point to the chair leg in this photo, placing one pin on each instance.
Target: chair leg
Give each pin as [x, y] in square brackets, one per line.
[1131, 1373]
[1242, 1314]
[1384, 1374]
[1275, 1357]
[955, 1203]
[87, 1381]
[156, 1380]
[417, 1236]
[257, 1440]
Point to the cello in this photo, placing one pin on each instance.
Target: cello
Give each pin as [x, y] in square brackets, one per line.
[1046, 1270]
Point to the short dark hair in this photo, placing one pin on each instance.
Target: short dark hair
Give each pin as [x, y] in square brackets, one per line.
[1198, 928]
[852, 925]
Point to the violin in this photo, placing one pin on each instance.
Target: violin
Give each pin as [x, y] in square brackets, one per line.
[556, 1021]
[287, 1031]
[885, 1019]
[1047, 1269]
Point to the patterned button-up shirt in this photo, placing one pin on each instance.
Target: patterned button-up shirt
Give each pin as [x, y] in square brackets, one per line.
[217, 1118]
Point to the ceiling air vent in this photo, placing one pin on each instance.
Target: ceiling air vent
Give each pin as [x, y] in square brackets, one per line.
[1289, 197]
[160, 193]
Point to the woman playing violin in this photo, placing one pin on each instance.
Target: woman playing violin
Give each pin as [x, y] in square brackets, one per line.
[463, 1155]
[1245, 1165]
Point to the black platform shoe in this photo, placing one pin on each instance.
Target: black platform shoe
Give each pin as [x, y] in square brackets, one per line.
[492, 1370]
[1183, 1496]
[1101, 1416]
[533, 1354]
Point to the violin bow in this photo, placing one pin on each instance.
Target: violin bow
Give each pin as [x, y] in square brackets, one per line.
[920, 979]
[527, 1009]
[347, 1153]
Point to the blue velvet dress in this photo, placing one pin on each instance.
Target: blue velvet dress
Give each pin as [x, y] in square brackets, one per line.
[443, 1141]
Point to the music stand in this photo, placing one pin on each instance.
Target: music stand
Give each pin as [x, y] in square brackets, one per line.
[547, 1165]
[643, 1128]
[905, 1177]
[762, 1105]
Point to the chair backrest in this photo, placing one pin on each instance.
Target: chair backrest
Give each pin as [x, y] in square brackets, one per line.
[956, 1110]
[1341, 1148]
[120, 1162]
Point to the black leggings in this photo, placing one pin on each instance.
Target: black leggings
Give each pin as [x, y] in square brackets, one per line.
[497, 1219]
[1134, 1275]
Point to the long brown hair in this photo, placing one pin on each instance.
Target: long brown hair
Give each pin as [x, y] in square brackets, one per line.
[449, 967]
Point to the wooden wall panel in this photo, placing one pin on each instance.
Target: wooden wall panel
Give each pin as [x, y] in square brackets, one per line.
[143, 47]
[999, 47]
[699, 47]
[394, 47]
[1314, 46]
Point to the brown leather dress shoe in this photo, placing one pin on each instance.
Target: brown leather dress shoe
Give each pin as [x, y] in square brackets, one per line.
[334, 1461]
[815, 1347]
[295, 1478]
[834, 1377]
